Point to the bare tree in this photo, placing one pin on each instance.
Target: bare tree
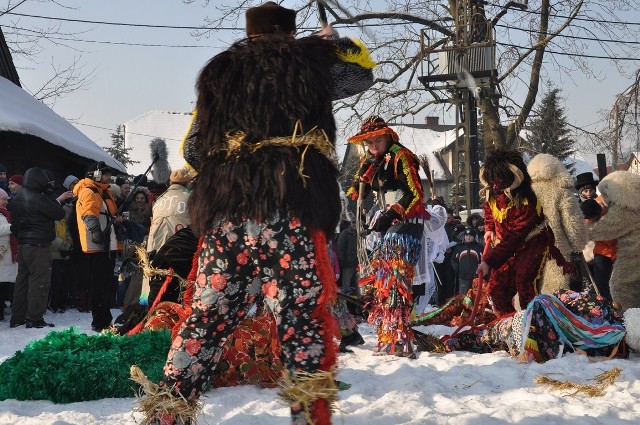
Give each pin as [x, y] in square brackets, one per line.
[548, 42]
[618, 132]
[27, 45]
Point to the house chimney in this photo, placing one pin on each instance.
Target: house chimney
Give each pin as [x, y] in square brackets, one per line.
[431, 121]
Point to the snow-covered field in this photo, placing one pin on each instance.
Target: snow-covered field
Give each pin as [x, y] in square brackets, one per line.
[459, 388]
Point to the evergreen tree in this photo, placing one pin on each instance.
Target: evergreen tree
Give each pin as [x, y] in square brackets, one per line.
[118, 150]
[548, 132]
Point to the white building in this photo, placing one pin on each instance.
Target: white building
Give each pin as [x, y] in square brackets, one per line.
[140, 131]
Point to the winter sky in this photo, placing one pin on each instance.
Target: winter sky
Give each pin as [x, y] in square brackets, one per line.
[131, 78]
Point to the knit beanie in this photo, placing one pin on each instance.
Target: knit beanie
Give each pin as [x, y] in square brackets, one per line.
[3, 194]
[270, 18]
[17, 179]
[3, 169]
[69, 180]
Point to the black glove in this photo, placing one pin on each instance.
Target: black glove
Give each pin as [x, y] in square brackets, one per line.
[385, 220]
[591, 209]
[96, 236]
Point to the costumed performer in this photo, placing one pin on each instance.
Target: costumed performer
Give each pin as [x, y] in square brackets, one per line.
[621, 199]
[265, 199]
[434, 243]
[391, 170]
[515, 226]
[553, 186]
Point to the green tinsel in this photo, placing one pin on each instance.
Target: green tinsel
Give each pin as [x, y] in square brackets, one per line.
[69, 366]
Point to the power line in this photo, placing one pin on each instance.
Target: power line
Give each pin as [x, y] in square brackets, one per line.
[601, 21]
[573, 54]
[128, 132]
[9, 10]
[116, 42]
[124, 24]
[573, 37]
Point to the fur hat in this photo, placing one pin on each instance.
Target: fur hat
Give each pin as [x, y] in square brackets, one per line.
[371, 127]
[17, 179]
[547, 168]
[621, 188]
[585, 179]
[115, 190]
[270, 18]
[69, 180]
[181, 176]
[632, 325]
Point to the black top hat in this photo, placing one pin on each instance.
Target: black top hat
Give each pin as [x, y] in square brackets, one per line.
[585, 179]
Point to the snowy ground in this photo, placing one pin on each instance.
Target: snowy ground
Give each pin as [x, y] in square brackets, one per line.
[459, 388]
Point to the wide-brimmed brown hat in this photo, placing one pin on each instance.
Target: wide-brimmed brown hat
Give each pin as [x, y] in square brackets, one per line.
[371, 127]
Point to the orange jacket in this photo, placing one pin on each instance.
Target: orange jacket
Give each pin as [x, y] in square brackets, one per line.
[605, 248]
[95, 203]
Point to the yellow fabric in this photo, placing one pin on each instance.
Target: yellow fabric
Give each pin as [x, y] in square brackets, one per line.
[184, 141]
[61, 229]
[362, 58]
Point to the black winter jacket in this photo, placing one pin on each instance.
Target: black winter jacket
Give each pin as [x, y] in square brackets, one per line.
[348, 248]
[33, 212]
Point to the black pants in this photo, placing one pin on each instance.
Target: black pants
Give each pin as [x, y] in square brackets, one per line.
[31, 293]
[602, 267]
[101, 287]
[59, 292]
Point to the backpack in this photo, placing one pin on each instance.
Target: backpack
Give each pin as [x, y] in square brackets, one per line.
[72, 225]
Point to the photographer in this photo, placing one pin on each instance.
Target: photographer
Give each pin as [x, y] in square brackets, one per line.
[95, 212]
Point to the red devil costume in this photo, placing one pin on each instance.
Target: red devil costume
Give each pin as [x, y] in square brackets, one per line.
[521, 241]
[391, 170]
[264, 200]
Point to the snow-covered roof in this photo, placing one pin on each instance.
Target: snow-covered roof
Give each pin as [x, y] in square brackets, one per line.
[423, 141]
[140, 131]
[22, 113]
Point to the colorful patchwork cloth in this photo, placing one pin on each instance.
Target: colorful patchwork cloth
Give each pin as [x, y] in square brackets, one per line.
[548, 327]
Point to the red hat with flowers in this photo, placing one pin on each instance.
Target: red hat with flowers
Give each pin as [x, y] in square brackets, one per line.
[371, 127]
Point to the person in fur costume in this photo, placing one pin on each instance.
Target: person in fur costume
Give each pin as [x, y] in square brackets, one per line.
[553, 187]
[391, 170]
[264, 203]
[515, 226]
[621, 198]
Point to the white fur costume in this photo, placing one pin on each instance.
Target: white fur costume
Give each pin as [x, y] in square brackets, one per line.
[553, 186]
[620, 192]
